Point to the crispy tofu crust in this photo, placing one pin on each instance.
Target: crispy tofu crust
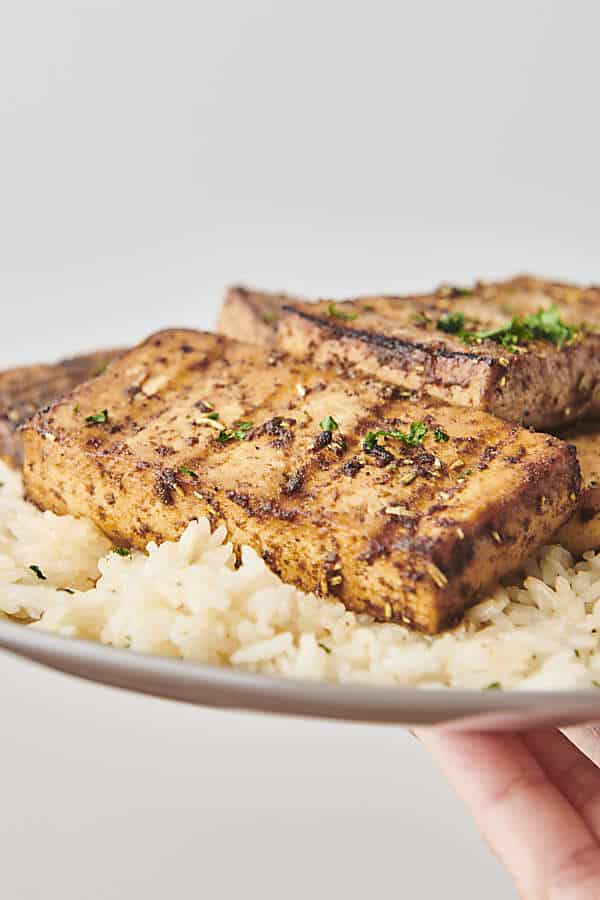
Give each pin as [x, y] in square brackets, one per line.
[24, 390]
[582, 532]
[410, 534]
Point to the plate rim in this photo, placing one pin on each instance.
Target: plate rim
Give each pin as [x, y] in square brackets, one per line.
[231, 688]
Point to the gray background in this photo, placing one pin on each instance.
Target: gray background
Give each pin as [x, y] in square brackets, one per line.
[150, 154]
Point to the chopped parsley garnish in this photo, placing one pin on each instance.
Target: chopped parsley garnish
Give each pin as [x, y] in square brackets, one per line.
[452, 323]
[98, 418]
[185, 471]
[122, 551]
[440, 435]
[325, 648]
[335, 312]
[239, 432]
[544, 325]
[329, 424]
[38, 572]
[596, 684]
[413, 438]
[212, 415]
[76, 409]
[494, 686]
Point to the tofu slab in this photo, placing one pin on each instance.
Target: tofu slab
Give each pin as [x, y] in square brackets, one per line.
[410, 534]
[545, 386]
[26, 389]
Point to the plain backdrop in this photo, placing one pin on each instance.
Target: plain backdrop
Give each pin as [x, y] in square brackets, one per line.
[151, 153]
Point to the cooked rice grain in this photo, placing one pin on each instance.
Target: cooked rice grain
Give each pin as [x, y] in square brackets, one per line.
[187, 600]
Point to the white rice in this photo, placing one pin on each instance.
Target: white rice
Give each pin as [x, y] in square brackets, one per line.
[186, 600]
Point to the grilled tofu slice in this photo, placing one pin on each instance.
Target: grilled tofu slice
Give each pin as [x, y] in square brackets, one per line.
[410, 528]
[543, 385]
[582, 532]
[540, 383]
[24, 390]
[252, 316]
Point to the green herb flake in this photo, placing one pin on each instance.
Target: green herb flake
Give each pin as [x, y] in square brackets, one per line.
[451, 323]
[329, 424]
[335, 312]
[122, 551]
[596, 684]
[38, 572]
[577, 653]
[440, 436]
[494, 686]
[185, 471]
[212, 415]
[325, 648]
[544, 325]
[76, 409]
[413, 438]
[98, 418]
[240, 432]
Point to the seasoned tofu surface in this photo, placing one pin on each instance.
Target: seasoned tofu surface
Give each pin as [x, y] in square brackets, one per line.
[394, 502]
[25, 390]
[582, 532]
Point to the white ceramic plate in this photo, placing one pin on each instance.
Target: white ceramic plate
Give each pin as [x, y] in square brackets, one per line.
[231, 689]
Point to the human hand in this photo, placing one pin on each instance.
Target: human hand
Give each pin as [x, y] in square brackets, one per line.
[536, 800]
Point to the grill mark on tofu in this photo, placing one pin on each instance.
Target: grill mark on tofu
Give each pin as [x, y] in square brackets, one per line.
[539, 386]
[350, 537]
[545, 387]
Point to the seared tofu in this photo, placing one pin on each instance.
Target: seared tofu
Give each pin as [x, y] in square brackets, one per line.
[538, 383]
[252, 316]
[24, 390]
[582, 532]
[413, 526]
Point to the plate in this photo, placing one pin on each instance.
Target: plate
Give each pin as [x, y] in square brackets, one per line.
[227, 688]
